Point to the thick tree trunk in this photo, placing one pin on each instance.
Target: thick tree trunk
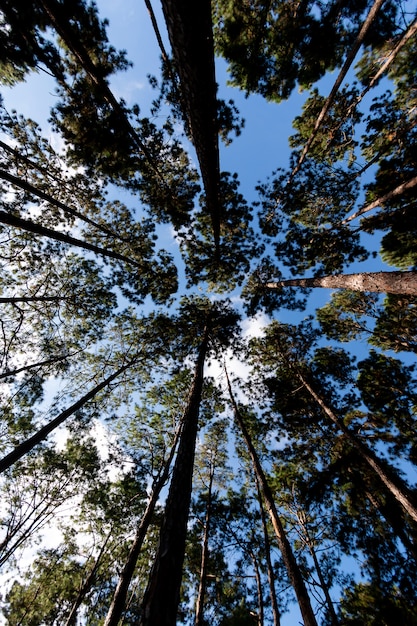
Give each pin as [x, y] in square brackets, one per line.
[162, 595]
[290, 563]
[118, 602]
[189, 26]
[389, 478]
[377, 282]
[270, 569]
[199, 607]
[28, 445]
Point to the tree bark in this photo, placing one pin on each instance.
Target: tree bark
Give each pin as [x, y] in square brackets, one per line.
[389, 478]
[288, 557]
[162, 595]
[28, 445]
[119, 599]
[378, 282]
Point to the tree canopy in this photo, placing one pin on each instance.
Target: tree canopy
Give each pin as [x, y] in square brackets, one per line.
[208, 391]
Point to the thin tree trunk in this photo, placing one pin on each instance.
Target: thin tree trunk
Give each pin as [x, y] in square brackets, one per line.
[199, 609]
[69, 36]
[23, 184]
[330, 98]
[389, 478]
[409, 33]
[86, 585]
[118, 603]
[398, 191]
[32, 227]
[28, 445]
[378, 282]
[162, 595]
[270, 569]
[288, 557]
[260, 614]
[24, 368]
[323, 584]
[17, 299]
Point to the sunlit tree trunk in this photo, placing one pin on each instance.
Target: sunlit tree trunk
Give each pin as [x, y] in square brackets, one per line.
[377, 282]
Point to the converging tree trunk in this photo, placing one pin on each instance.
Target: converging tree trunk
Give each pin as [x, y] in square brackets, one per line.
[118, 603]
[162, 595]
[28, 445]
[267, 543]
[199, 608]
[389, 478]
[378, 282]
[288, 557]
[87, 583]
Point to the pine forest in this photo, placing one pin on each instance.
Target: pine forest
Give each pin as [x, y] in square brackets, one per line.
[208, 332]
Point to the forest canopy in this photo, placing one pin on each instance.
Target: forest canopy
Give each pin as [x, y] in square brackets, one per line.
[208, 391]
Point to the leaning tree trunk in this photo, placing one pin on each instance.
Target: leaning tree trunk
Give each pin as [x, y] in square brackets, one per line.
[28, 445]
[288, 557]
[119, 599]
[389, 478]
[377, 282]
[86, 584]
[270, 569]
[323, 583]
[199, 608]
[162, 595]
[338, 82]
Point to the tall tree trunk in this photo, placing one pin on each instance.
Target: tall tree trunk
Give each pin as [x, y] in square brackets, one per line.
[288, 557]
[389, 478]
[28, 445]
[162, 595]
[199, 607]
[118, 603]
[270, 569]
[377, 282]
